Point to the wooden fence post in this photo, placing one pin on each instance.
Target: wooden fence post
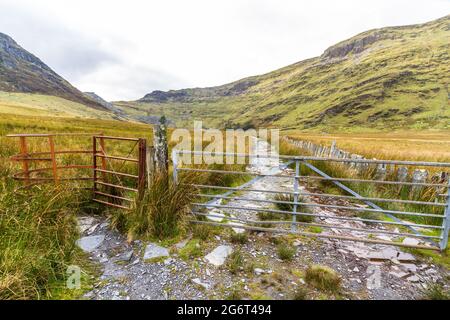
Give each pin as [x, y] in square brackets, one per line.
[150, 162]
[161, 147]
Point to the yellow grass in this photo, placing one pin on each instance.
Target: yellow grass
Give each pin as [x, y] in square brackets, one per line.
[27, 104]
[420, 146]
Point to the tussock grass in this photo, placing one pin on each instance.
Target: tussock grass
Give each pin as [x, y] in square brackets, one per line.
[239, 238]
[323, 278]
[285, 251]
[300, 294]
[203, 231]
[235, 261]
[38, 232]
[191, 250]
[162, 211]
[38, 227]
[282, 205]
[436, 292]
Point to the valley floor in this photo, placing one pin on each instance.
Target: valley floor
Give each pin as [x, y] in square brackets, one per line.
[368, 271]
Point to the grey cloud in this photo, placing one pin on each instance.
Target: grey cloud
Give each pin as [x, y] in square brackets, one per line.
[122, 81]
[69, 53]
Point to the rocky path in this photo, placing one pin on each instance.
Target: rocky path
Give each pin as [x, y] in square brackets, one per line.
[140, 270]
[380, 271]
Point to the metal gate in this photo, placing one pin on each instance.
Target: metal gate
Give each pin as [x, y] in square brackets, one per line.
[109, 186]
[406, 214]
[104, 172]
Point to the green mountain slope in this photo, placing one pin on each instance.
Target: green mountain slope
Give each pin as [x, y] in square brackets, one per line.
[395, 77]
[32, 104]
[22, 72]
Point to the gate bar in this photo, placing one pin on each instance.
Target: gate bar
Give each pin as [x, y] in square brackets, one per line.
[373, 205]
[115, 186]
[307, 224]
[402, 223]
[316, 235]
[316, 177]
[205, 186]
[308, 204]
[306, 158]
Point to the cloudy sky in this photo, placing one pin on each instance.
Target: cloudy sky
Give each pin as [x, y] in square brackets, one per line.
[125, 49]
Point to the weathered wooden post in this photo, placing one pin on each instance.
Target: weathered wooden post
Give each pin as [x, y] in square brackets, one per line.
[150, 163]
[161, 147]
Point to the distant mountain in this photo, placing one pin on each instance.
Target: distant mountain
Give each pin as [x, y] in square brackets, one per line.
[394, 77]
[21, 71]
[108, 105]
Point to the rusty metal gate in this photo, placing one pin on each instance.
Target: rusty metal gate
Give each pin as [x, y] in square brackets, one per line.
[404, 214]
[110, 185]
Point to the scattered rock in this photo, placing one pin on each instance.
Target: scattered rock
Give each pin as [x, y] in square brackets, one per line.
[409, 267]
[258, 271]
[218, 255]
[413, 279]
[237, 224]
[90, 243]
[296, 243]
[384, 237]
[182, 244]
[125, 256]
[199, 282]
[405, 257]
[410, 241]
[92, 229]
[398, 274]
[216, 215]
[153, 251]
[84, 223]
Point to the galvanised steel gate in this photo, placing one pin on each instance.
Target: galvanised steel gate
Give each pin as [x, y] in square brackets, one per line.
[407, 214]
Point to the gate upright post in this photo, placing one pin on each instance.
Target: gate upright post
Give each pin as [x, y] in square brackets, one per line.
[150, 165]
[94, 165]
[446, 221]
[24, 155]
[142, 167]
[51, 142]
[296, 189]
[103, 151]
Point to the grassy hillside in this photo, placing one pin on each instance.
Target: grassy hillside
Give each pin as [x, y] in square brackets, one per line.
[401, 145]
[28, 104]
[21, 71]
[395, 77]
